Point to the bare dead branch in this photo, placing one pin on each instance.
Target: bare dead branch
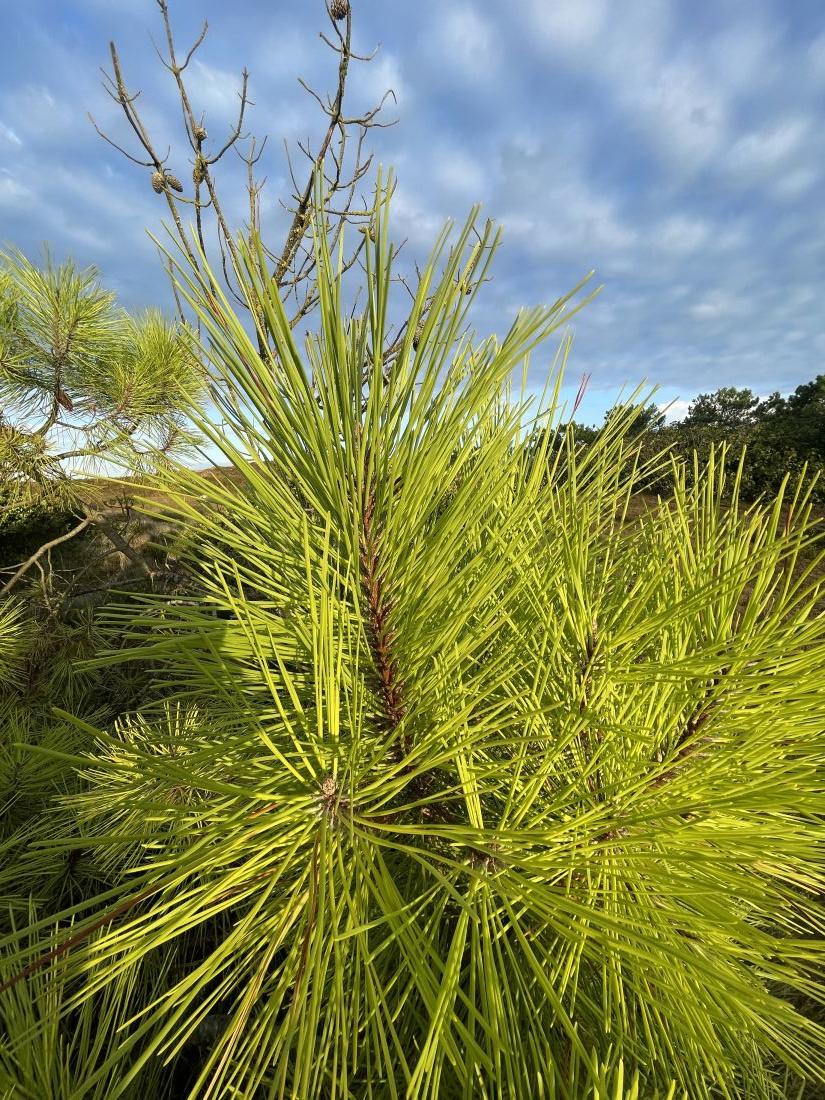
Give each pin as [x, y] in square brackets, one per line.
[236, 132]
[120, 149]
[35, 557]
[340, 156]
[198, 41]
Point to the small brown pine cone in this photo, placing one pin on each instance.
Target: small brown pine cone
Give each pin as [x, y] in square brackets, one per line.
[416, 340]
[339, 9]
[199, 133]
[157, 182]
[199, 171]
[174, 182]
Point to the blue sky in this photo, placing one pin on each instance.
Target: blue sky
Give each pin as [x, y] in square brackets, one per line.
[677, 146]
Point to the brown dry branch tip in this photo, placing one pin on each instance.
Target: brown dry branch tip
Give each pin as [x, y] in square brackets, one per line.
[340, 158]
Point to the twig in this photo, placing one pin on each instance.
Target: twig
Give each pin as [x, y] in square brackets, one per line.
[35, 557]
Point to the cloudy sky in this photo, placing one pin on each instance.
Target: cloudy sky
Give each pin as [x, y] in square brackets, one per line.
[676, 146]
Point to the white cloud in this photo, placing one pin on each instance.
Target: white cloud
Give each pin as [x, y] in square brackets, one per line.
[569, 25]
[107, 197]
[719, 305]
[677, 409]
[546, 202]
[747, 54]
[801, 297]
[370, 82]
[675, 101]
[794, 185]
[39, 114]
[8, 135]
[618, 43]
[216, 90]
[761, 151]
[732, 235]
[414, 221]
[525, 143]
[460, 174]
[577, 221]
[682, 234]
[684, 116]
[816, 59]
[466, 39]
[13, 194]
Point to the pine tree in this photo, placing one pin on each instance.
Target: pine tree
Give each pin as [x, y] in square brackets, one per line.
[452, 783]
[84, 386]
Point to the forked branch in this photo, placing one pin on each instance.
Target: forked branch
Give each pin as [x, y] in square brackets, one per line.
[344, 162]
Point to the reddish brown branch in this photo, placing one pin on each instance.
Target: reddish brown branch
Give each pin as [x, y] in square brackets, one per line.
[78, 937]
[687, 743]
[379, 609]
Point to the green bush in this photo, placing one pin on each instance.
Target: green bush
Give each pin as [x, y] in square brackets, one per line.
[31, 524]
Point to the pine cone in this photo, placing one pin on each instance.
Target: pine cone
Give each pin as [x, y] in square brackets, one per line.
[157, 182]
[339, 9]
[174, 182]
[368, 231]
[199, 171]
[199, 133]
[416, 340]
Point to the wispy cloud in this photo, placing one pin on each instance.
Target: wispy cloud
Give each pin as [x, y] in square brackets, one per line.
[466, 39]
[14, 195]
[216, 90]
[675, 147]
[9, 136]
[675, 409]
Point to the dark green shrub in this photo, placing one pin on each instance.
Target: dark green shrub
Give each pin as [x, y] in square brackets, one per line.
[29, 525]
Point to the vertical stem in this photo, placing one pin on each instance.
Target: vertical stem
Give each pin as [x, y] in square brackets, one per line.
[379, 608]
